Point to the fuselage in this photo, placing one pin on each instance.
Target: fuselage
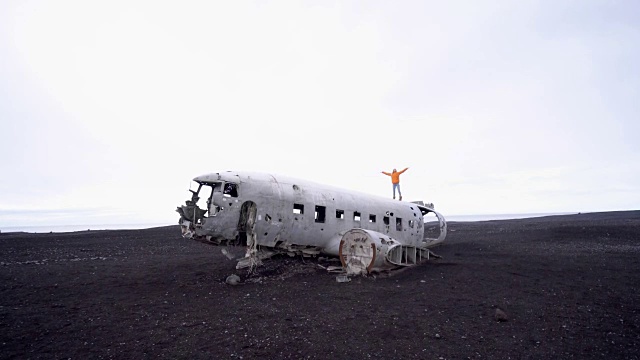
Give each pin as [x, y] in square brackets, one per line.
[285, 213]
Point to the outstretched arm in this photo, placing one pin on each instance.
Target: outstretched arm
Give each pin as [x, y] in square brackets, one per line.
[405, 169]
[386, 173]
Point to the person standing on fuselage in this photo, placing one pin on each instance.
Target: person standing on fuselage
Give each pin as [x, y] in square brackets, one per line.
[395, 181]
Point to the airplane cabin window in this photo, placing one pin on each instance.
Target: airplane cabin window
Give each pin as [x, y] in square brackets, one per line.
[372, 218]
[399, 224]
[386, 220]
[340, 214]
[356, 216]
[298, 209]
[320, 213]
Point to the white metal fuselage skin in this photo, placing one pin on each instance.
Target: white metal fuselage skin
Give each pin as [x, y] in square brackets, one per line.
[296, 215]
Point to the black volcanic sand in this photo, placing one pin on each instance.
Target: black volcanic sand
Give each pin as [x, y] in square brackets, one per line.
[567, 284]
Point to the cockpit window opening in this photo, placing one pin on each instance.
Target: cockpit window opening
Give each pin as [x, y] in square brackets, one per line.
[203, 194]
[298, 209]
[194, 185]
[411, 223]
[372, 218]
[356, 216]
[320, 213]
[399, 224]
[230, 190]
[385, 220]
[340, 214]
[215, 188]
[198, 207]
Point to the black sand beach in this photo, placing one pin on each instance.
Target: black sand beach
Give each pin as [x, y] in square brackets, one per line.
[568, 286]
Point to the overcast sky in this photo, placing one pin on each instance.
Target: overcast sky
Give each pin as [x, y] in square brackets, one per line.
[109, 108]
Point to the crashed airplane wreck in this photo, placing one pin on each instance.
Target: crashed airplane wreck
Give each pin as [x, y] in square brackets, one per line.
[271, 215]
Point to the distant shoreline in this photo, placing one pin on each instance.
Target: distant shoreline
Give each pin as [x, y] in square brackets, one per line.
[141, 226]
[472, 218]
[75, 228]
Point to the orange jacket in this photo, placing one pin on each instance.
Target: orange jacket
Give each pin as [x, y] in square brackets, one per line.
[395, 176]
